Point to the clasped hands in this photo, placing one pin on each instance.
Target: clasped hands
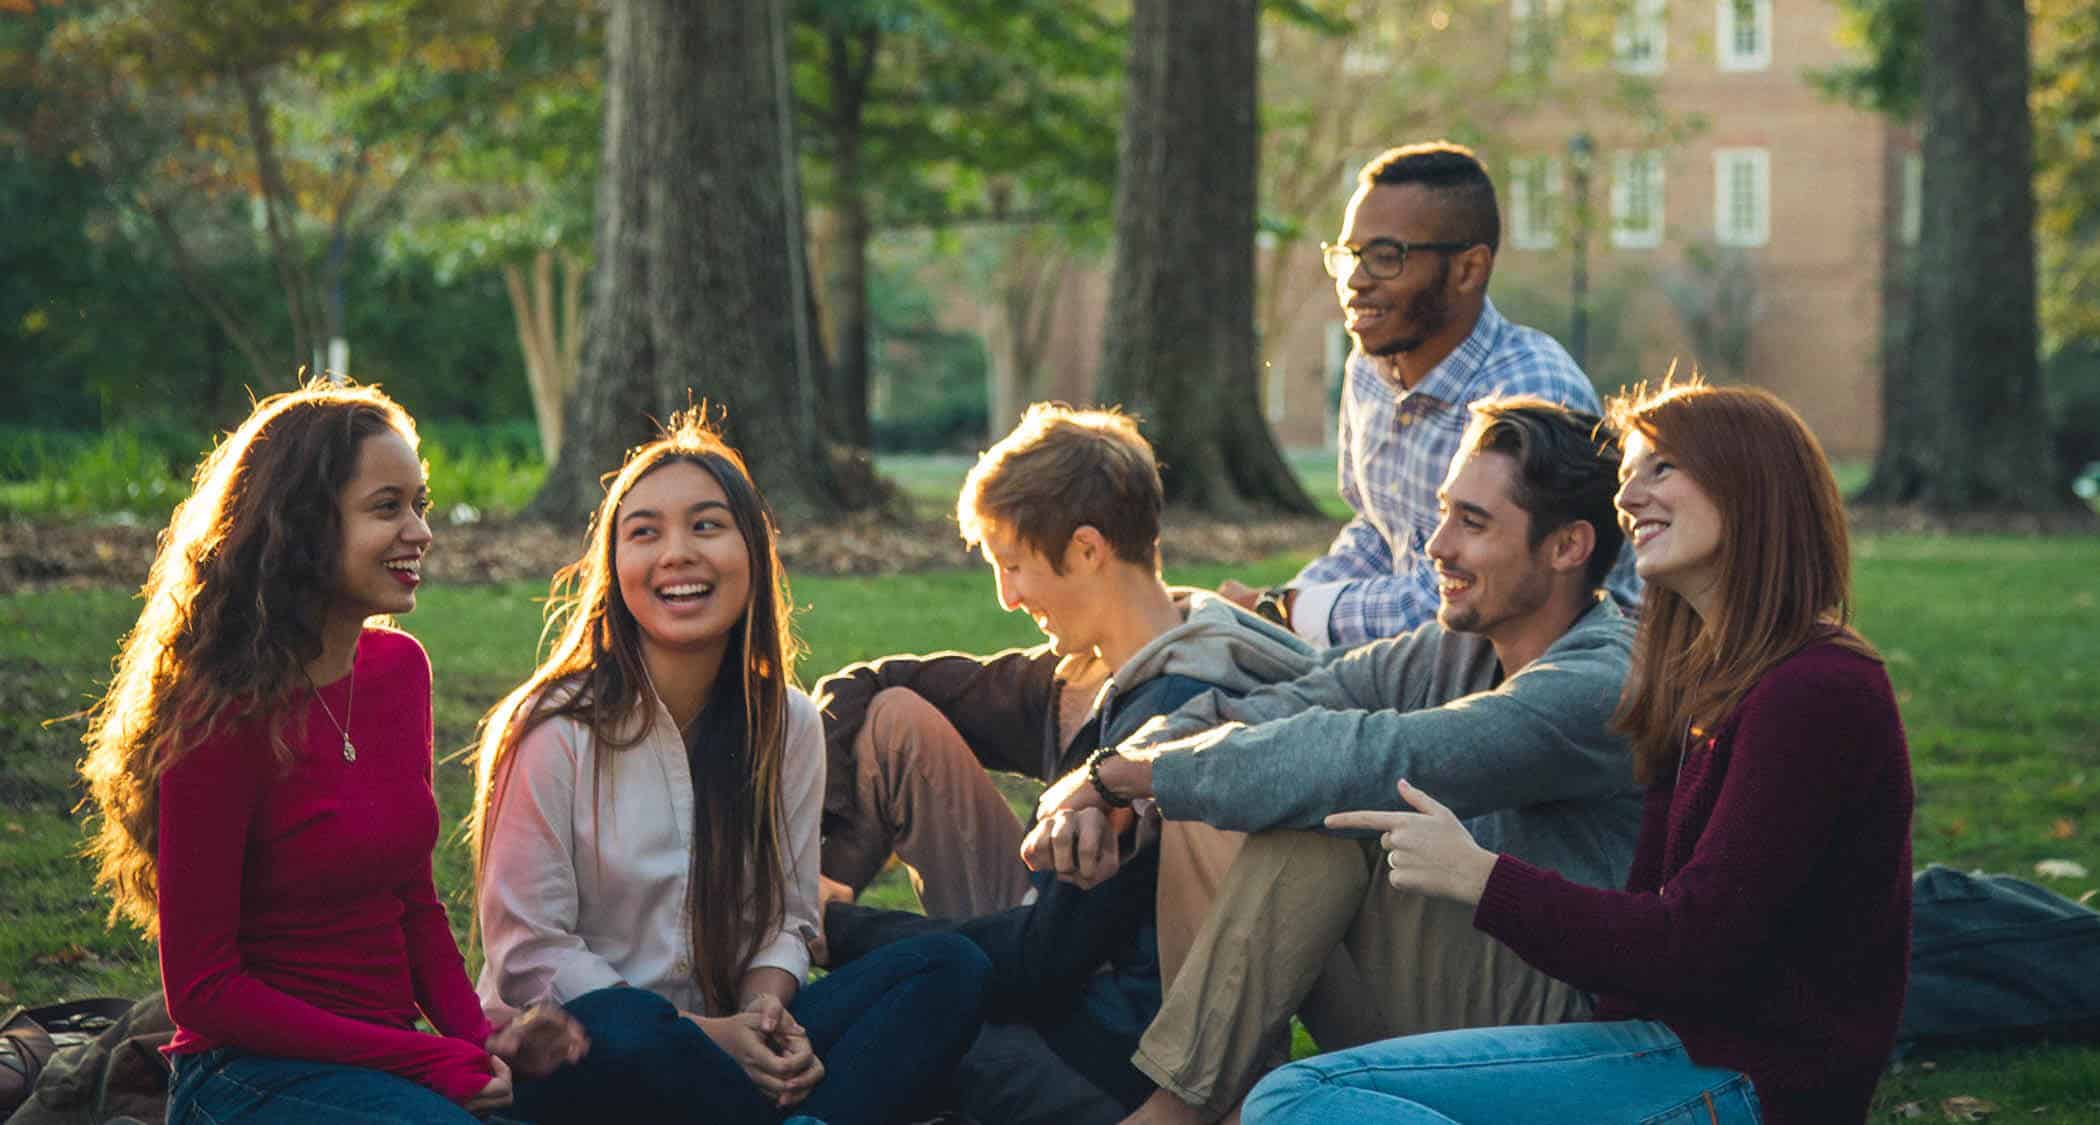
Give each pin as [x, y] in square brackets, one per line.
[770, 1045]
[1427, 851]
[537, 1043]
[1076, 834]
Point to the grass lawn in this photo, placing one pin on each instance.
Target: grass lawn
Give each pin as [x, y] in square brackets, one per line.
[1994, 645]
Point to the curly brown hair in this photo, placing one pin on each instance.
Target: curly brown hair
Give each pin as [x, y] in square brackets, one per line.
[231, 616]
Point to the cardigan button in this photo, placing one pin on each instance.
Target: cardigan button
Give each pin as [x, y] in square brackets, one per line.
[683, 968]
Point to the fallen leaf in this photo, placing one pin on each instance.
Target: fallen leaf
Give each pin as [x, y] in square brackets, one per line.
[2086, 897]
[1909, 1109]
[7, 992]
[15, 826]
[1955, 829]
[1962, 1107]
[2060, 869]
[70, 955]
[2063, 829]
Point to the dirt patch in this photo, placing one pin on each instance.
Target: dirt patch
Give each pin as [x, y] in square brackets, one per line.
[42, 556]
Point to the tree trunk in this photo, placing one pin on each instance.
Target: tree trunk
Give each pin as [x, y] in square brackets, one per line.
[700, 289]
[1965, 421]
[849, 66]
[1179, 349]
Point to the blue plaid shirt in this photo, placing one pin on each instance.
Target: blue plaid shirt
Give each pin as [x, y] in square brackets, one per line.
[1376, 579]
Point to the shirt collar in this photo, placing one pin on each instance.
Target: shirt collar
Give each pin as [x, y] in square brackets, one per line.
[1446, 382]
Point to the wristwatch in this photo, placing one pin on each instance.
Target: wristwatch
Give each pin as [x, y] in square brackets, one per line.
[1275, 605]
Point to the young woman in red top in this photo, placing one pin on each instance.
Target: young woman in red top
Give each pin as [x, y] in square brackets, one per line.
[261, 767]
[1753, 968]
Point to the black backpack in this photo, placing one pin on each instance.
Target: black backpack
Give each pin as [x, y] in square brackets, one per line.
[1995, 960]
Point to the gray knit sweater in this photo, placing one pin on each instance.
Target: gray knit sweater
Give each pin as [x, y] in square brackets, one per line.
[1527, 763]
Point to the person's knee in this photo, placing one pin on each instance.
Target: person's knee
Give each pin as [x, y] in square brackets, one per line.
[957, 963]
[1285, 1096]
[899, 726]
[624, 1023]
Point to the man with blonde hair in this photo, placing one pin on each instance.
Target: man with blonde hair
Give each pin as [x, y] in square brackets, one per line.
[1066, 511]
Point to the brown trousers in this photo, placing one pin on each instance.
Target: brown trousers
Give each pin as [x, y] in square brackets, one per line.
[922, 794]
[1303, 923]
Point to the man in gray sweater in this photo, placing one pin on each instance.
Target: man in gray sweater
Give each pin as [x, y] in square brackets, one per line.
[1500, 707]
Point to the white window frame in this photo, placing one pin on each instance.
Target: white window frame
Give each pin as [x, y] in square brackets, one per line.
[1910, 214]
[1736, 223]
[1636, 171]
[1727, 50]
[1645, 22]
[1524, 39]
[1534, 223]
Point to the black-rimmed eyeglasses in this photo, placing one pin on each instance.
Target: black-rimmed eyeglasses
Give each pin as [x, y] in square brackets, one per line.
[1381, 257]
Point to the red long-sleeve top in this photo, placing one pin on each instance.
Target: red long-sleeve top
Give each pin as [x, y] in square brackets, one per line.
[298, 917]
[1766, 919]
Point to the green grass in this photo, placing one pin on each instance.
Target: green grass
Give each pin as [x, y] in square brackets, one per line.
[1993, 643]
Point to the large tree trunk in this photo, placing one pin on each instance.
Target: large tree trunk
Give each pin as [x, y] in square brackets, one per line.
[1179, 348]
[1966, 418]
[700, 289]
[850, 66]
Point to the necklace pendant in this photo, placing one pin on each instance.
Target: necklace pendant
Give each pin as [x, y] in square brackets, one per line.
[349, 751]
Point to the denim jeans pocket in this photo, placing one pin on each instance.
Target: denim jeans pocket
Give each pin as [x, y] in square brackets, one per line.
[1733, 1102]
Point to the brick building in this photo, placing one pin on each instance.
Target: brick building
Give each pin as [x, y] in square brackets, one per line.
[1755, 247]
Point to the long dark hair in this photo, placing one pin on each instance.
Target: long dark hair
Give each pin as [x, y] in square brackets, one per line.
[593, 673]
[234, 607]
[1786, 562]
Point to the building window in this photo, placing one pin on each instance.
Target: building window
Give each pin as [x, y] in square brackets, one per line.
[1911, 216]
[1534, 196]
[1533, 26]
[1637, 199]
[1743, 34]
[1742, 196]
[1640, 43]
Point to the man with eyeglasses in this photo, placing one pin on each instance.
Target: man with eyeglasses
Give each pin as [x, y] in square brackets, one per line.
[1411, 270]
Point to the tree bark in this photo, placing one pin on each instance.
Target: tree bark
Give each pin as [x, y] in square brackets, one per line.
[699, 292]
[1179, 347]
[1966, 420]
[850, 66]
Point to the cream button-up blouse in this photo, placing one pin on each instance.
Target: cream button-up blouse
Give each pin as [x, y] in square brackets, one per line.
[582, 894]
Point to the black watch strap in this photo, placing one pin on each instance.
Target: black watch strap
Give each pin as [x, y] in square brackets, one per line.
[1272, 606]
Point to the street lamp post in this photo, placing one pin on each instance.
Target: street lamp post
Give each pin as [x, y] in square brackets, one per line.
[1581, 150]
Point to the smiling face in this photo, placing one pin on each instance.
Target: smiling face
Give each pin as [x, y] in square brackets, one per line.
[1060, 604]
[683, 567]
[1491, 580]
[1673, 524]
[384, 533]
[1396, 315]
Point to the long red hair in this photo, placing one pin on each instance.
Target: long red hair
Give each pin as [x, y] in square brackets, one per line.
[1786, 562]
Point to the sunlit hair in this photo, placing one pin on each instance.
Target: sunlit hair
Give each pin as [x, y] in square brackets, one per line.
[1785, 562]
[593, 673]
[1567, 469]
[1062, 469]
[233, 613]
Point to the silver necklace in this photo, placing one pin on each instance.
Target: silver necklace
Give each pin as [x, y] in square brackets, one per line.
[349, 707]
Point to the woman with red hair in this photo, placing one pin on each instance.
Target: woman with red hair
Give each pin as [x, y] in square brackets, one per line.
[1753, 969]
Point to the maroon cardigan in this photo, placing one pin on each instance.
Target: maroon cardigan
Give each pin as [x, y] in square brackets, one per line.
[1766, 919]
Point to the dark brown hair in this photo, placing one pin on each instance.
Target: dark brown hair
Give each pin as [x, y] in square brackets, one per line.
[1062, 469]
[1786, 564]
[1567, 469]
[233, 614]
[594, 674]
[1456, 177]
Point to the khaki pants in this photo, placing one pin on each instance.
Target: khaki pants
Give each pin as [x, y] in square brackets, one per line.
[922, 794]
[1304, 923]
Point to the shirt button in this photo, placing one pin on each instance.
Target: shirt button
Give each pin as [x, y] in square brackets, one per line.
[683, 968]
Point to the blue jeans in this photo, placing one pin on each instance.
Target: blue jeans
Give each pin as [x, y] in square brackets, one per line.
[227, 1085]
[889, 1028]
[1631, 1073]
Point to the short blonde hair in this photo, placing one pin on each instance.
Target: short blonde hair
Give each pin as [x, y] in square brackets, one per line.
[1062, 469]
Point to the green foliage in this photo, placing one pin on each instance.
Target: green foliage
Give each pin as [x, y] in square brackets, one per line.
[116, 474]
[930, 381]
[959, 108]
